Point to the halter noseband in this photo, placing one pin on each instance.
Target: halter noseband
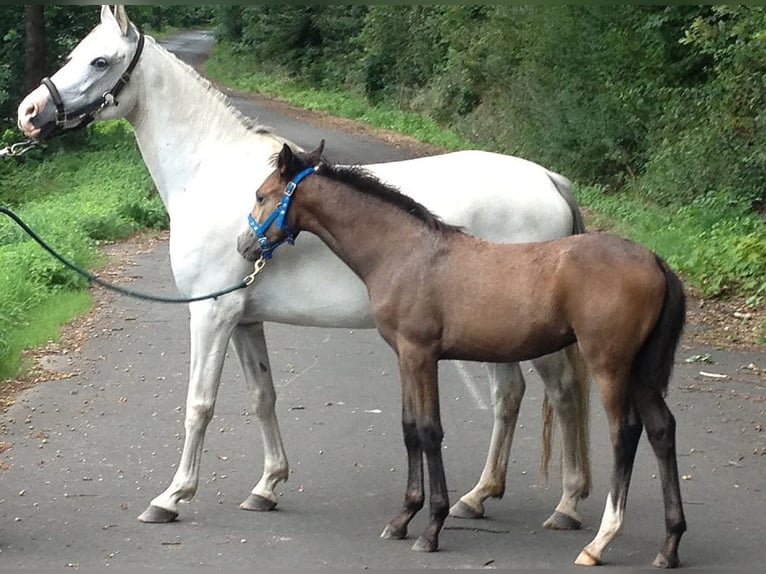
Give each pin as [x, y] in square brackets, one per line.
[87, 113]
[278, 217]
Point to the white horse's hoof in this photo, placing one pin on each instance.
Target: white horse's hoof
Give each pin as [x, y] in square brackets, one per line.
[157, 515]
[258, 503]
[561, 521]
[461, 510]
[587, 559]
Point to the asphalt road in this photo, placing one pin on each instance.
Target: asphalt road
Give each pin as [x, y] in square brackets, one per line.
[88, 453]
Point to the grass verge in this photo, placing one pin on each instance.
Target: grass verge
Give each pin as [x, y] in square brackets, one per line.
[82, 190]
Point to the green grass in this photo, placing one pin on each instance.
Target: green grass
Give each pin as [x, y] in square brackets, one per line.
[41, 325]
[81, 190]
[718, 247]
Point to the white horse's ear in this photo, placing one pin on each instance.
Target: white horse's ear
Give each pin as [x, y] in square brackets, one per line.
[106, 14]
[122, 19]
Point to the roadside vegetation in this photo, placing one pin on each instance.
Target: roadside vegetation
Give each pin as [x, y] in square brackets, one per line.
[655, 112]
[79, 192]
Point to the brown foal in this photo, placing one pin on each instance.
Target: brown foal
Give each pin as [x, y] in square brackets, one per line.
[437, 293]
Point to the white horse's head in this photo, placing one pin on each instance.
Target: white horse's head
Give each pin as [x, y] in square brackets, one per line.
[85, 86]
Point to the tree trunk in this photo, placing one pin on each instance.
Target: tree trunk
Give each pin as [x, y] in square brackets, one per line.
[34, 61]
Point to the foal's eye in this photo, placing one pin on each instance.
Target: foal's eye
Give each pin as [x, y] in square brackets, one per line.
[259, 199]
[100, 63]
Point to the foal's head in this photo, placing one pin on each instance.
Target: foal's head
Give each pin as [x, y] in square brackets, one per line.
[270, 219]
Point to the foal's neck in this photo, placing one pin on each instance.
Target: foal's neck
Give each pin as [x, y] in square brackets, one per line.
[366, 232]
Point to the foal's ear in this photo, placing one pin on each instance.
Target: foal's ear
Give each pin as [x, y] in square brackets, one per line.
[285, 160]
[314, 158]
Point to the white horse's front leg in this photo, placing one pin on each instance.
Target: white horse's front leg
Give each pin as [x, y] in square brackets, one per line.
[249, 343]
[507, 387]
[211, 325]
[568, 388]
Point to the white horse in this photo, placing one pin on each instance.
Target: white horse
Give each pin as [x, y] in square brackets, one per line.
[207, 160]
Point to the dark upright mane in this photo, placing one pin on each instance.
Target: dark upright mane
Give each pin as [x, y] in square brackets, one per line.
[364, 182]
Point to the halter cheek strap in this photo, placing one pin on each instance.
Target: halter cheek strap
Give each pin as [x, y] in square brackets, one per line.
[278, 217]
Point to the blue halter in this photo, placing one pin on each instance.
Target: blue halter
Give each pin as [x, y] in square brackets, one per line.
[278, 216]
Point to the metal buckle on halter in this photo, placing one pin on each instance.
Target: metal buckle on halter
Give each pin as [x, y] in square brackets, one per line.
[62, 118]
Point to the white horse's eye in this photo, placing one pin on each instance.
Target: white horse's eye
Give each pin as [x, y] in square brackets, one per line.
[259, 199]
[100, 63]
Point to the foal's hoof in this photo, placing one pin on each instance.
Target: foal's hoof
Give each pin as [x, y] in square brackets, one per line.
[391, 533]
[157, 515]
[258, 503]
[461, 510]
[561, 521]
[665, 562]
[425, 545]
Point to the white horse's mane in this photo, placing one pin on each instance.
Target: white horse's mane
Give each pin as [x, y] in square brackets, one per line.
[249, 123]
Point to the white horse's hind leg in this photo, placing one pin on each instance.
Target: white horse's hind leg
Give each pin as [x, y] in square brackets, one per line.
[211, 328]
[507, 387]
[249, 343]
[567, 384]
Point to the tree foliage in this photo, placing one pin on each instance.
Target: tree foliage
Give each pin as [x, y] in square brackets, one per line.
[666, 99]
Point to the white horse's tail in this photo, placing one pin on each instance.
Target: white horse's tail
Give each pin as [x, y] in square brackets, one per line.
[564, 187]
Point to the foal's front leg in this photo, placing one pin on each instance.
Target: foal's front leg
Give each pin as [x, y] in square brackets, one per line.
[421, 424]
[249, 344]
[210, 325]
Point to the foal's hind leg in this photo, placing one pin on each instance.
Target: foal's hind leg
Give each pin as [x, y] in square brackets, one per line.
[567, 385]
[507, 387]
[624, 431]
[661, 430]
[249, 344]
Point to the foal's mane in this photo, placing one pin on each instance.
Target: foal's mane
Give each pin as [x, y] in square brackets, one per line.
[366, 183]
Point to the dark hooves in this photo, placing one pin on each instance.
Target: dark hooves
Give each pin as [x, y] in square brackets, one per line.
[422, 544]
[561, 521]
[157, 515]
[461, 510]
[663, 561]
[258, 503]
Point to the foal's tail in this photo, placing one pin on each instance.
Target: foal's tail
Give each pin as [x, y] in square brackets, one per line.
[654, 363]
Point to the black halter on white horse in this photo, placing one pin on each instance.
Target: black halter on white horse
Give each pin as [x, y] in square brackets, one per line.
[87, 113]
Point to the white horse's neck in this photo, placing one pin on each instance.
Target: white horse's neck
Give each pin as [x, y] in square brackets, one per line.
[181, 121]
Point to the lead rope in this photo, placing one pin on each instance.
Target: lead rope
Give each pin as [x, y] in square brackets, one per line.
[258, 266]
